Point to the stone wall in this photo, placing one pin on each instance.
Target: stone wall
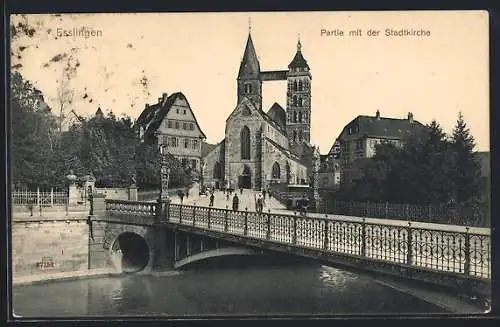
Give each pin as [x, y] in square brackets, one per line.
[113, 193]
[49, 246]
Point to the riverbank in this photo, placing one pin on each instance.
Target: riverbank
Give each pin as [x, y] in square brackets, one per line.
[63, 276]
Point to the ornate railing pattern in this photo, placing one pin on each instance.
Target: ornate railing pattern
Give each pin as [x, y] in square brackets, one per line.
[450, 251]
[134, 208]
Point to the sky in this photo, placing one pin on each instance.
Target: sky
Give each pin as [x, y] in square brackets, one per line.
[133, 58]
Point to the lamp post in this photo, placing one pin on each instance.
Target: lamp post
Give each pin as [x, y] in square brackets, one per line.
[164, 173]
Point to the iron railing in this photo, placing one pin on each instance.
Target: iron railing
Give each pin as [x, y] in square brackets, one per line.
[455, 249]
[456, 214]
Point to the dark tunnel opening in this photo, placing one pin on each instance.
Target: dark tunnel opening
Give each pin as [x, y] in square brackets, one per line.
[135, 252]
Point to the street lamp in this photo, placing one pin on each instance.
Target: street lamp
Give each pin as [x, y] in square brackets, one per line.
[164, 173]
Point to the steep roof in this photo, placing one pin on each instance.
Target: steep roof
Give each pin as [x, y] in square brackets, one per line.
[380, 127]
[152, 116]
[206, 148]
[249, 66]
[298, 61]
[278, 115]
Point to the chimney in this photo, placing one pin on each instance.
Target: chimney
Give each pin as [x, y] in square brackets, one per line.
[410, 117]
[147, 105]
[160, 100]
[377, 114]
[164, 95]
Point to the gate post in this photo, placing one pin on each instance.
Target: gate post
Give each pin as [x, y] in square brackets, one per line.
[410, 245]
[245, 228]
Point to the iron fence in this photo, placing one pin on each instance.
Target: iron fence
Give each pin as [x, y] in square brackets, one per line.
[45, 199]
[477, 214]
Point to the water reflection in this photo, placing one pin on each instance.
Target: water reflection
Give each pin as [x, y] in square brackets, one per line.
[247, 289]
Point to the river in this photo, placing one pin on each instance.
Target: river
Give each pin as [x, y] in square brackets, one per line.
[226, 286]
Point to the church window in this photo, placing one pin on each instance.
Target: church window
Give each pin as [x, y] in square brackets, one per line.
[295, 116]
[300, 135]
[300, 85]
[176, 125]
[304, 117]
[295, 85]
[294, 136]
[300, 117]
[245, 143]
[276, 173]
[186, 143]
[248, 88]
[295, 100]
[169, 123]
[299, 102]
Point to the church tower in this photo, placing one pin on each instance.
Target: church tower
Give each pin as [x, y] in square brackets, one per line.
[298, 103]
[249, 82]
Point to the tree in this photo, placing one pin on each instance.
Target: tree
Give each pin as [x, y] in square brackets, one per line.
[467, 168]
[32, 124]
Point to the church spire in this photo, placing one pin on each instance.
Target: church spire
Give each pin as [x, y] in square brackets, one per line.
[250, 66]
[298, 61]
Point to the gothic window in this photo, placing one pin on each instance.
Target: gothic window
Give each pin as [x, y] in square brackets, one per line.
[248, 88]
[300, 135]
[246, 111]
[300, 117]
[295, 136]
[218, 170]
[294, 116]
[275, 173]
[245, 143]
[295, 100]
[295, 85]
[304, 117]
[300, 85]
[299, 102]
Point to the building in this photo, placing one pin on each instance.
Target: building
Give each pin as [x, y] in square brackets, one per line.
[171, 121]
[358, 139]
[328, 173]
[264, 147]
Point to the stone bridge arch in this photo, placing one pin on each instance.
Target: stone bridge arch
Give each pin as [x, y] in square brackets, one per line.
[130, 247]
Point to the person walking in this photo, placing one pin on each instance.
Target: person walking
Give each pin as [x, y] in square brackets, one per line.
[236, 202]
[187, 193]
[227, 196]
[259, 203]
[212, 197]
[264, 194]
[241, 189]
[181, 195]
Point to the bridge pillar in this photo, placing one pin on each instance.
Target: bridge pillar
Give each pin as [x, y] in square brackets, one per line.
[164, 249]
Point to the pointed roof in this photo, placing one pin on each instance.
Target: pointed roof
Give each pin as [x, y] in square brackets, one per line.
[250, 66]
[298, 60]
[278, 115]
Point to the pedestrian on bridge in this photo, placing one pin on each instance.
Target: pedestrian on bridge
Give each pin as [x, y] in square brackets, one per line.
[181, 195]
[187, 193]
[236, 202]
[264, 194]
[227, 196]
[212, 199]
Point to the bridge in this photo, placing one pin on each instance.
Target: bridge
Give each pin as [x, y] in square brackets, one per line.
[146, 236]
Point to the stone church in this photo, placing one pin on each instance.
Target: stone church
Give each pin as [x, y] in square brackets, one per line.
[264, 147]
